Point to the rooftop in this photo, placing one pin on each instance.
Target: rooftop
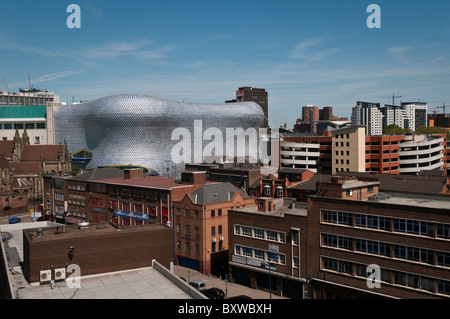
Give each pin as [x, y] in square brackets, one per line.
[282, 206]
[154, 282]
[156, 182]
[216, 193]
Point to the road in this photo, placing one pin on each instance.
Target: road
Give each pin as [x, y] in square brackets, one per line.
[231, 289]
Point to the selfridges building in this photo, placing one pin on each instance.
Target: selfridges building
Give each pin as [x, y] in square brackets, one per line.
[157, 134]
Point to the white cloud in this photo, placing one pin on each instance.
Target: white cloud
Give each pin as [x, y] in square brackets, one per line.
[308, 50]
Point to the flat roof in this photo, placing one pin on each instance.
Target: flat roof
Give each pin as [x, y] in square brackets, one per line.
[142, 283]
[419, 202]
[157, 182]
[281, 208]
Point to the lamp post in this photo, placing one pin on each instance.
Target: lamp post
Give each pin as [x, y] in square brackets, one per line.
[306, 255]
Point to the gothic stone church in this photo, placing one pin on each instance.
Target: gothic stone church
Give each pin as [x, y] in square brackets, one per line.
[22, 167]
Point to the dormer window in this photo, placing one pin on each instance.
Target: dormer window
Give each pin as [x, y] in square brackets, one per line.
[280, 191]
[267, 190]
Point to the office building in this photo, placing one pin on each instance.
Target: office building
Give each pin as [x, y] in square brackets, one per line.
[28, 97]
[367, 244]
[268, 246]
[124, 197]
[257, 95]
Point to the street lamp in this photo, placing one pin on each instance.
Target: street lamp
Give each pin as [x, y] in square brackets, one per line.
[306, 253]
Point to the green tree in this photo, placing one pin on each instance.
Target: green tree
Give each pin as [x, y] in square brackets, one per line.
[394, 130]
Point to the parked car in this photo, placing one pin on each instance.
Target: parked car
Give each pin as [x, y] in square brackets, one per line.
[198, 284]
[214, 293]
[240, 297]
[14, 220]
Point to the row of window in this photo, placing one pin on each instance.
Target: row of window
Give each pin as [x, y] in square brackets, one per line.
[259, 233]
[196, 214]
[187, 247]
[21, 126]
[390, 250]
[259, 254]
[398, 225]
[187, 230]
[388, 276]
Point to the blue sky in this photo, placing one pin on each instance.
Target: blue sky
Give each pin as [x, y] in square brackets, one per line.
[302, 52]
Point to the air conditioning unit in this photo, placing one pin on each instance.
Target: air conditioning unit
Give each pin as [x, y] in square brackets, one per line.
[214, 240]
[221, 238]
[45, 276]
[60, 274]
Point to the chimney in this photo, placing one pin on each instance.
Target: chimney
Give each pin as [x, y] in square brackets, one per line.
[265, 204]
[133, 173]
[193, 177]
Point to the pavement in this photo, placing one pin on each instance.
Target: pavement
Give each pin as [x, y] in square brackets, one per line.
[230, 289]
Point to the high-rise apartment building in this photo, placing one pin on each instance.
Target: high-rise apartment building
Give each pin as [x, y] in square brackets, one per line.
[409, 115]
[368, 115]
[259, 96]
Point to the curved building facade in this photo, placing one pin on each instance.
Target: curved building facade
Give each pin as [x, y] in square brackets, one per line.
[139, 130]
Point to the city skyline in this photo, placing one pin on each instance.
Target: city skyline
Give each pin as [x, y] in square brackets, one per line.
[320, 53]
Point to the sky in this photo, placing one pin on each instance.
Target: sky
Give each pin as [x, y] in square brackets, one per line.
[318, 53]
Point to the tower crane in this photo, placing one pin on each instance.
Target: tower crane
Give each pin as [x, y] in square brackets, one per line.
[393, 98]
[7, 89]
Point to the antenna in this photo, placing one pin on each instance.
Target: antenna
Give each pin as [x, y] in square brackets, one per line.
[393, 98]
[29, 81]
[7, 89]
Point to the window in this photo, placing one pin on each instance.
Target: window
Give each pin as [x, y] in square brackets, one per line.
[187, 213]
[29, 126]
[443, 259]
[267, 190]
[37, 140]
[349, 192]
[258, 233]
[213, 231]
[40, 126]
[443, 231]
[187, 230]
[280, 191]
[220, 229]
[7, 126]
[196, 232]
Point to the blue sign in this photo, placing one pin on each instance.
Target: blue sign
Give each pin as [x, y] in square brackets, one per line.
[131, 215]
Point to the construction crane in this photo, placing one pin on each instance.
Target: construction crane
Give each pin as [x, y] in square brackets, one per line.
[442, 107]
[393, 98]
[7, 89]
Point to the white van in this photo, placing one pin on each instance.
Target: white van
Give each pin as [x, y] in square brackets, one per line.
[198, 284]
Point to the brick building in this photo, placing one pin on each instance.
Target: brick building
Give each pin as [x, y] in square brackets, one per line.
[201, 222]
[407, 237]
[268, 246]
[126, 198]
[95, 249]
